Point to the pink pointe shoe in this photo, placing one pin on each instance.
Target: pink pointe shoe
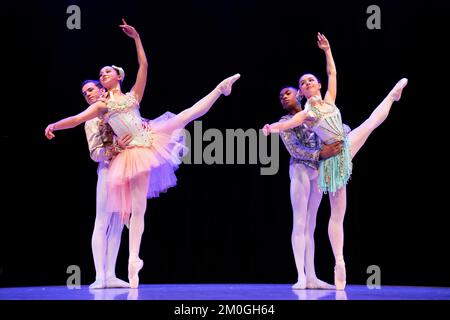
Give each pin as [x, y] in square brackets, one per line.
[225, 86]
[133, 270]
[396, 92]
[340, 275]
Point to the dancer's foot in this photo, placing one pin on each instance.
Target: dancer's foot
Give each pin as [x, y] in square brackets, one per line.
[114, 282]
[340, 275]
[98, 284]
[133, 270]
[318, 284]
[299, 286]
[301, 283]
[225, 86]
[396, 92]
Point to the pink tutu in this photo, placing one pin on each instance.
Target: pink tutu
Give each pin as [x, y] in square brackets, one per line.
[159, 161]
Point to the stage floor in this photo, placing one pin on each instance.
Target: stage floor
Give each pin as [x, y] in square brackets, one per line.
[224, 292]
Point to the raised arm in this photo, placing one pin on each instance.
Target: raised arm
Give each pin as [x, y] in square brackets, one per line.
[93, 111]
[323, 44]
[141, 78]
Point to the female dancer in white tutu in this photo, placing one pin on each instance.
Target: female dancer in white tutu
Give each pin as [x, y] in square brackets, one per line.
[147, 166]
[324, 118]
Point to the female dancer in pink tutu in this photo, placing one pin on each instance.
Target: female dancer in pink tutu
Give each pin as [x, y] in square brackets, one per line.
[146, 168]
[324, 118]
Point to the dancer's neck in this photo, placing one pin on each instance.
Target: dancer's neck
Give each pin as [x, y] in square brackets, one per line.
[115, 91]
[295, 109]
[315, 100]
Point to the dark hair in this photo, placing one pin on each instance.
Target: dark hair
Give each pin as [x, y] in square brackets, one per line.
[96, 82]
[288, 87]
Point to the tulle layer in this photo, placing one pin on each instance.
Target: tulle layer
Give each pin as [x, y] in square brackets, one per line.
[156, 163]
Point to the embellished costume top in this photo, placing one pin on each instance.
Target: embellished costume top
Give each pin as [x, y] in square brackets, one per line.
[302, 143]
[328, 124]
[124, 118]
[334, 172]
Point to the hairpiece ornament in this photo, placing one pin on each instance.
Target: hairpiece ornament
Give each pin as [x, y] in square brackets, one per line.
[119, 70]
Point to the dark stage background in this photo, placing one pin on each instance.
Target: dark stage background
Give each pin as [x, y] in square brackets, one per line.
[227, 223]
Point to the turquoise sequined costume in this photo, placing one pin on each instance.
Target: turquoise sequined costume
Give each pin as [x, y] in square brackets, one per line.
[335, 171]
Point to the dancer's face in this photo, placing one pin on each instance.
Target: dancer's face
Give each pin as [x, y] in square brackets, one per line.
[309, 85]
[287, 98]
[109, 77]
[91, 92]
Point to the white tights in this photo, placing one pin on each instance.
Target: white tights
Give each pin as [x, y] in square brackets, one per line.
[105, 238]
[338, 200]
[305, 200]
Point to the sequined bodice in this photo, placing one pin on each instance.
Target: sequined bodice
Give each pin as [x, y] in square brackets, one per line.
[328, 125]
[124, 118]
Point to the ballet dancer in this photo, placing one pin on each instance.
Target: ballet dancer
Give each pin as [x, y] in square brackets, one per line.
[108, 227]
[325, 120]
[306, 151]
[146, 167]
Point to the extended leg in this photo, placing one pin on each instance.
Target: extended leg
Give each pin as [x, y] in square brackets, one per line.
[198, 109]
[358, 137]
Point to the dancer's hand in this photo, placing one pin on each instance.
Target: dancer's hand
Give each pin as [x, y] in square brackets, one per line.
[266, 130]
[330, 150]
[129, 30]
[125, 141]
[322, 42]
[49, 131]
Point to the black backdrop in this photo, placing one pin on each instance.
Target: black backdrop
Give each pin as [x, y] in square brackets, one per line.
[226, 223]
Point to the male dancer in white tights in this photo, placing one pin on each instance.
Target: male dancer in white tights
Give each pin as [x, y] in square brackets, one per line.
[306, 151]
[108, 227]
